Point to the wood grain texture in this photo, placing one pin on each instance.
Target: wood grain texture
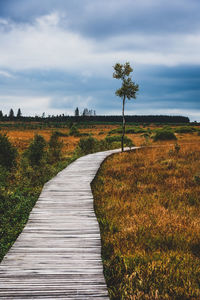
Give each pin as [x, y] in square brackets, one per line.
[58, 254]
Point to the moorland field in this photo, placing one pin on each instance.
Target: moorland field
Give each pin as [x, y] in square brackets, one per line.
[147, 201]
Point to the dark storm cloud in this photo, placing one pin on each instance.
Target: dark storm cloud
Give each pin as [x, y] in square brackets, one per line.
[162, 89]
[174, 85]
[105, 18]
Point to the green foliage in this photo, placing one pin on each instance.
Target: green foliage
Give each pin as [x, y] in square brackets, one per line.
[163, 135]
[8, 153]
[91, 145]
[36, 150]
[55, 147]
[87, 145]
[197, 178]
[74, 131]
[129, 88]
[185, 129]
[18, 200]
[21, 186]
[59, 133]
[128, 130]
[116, 138]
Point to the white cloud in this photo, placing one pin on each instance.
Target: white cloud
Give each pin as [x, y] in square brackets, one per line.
[29, 105]
[3, 22]
[52, 19]
[46, 44]
[36, 105]
[6, 74]
[70, 102]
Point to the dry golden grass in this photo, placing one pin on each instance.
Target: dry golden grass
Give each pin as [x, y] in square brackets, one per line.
[147, 203]
[22, 138]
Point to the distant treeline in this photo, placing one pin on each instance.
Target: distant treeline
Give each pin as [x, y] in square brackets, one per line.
[134, 119]
[103, 119]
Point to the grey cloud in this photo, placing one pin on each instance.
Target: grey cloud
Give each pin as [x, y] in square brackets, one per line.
[105, 18]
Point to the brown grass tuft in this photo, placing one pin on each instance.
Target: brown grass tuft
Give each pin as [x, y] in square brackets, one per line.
[147, 203]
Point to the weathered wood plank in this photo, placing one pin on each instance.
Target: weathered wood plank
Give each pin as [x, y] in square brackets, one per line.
[58, 254]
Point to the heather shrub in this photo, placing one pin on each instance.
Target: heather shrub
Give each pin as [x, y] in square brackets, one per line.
[36, 150]
[163, 135]
[55, 147]
[74, 131]
[8, 153]
[59, 133]
[117, 138]
[91, 145]
[185, 129]
[87, 145]
[128, 130]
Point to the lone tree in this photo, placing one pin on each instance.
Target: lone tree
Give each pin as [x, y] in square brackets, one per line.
[128, 89]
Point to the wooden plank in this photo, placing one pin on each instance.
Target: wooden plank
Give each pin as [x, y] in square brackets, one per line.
[58, 254]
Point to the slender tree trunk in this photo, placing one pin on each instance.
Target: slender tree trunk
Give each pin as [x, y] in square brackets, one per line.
[123, 125]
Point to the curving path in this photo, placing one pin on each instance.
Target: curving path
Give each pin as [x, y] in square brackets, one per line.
[58, 254]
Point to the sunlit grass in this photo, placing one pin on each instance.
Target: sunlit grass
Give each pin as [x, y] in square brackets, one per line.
[147, 203]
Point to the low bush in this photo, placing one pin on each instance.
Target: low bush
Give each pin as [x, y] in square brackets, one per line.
[164, 135]
[36, 150]
[85, 134]
[185, 129]
[55, 147]
[87, 145]
[74, 131]
[91, 145]
[117, 138]
[8, 153]
[59, 133]
[128, 130]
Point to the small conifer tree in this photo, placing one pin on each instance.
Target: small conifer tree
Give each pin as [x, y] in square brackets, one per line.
[36, 150]
[8, 153]
[19, 114]
[11, 113]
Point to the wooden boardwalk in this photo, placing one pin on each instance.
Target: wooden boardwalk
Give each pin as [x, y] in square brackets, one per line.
[58, 254]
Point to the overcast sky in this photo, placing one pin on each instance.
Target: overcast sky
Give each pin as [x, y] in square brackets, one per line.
[59, 54]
